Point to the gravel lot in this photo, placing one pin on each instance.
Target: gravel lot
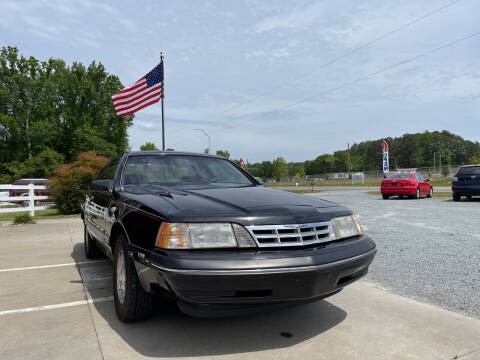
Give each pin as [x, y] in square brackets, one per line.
[428, 249]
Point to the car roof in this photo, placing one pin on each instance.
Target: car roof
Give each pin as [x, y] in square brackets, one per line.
[172, 153]
[464, 166]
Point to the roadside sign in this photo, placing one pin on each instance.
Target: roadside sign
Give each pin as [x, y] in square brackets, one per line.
[298, 175]
[385, 159]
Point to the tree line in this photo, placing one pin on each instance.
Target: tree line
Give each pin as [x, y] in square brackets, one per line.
[53, 112]
[407, 151]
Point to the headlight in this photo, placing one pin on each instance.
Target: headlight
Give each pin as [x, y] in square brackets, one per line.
[345, 226]
[202, 236]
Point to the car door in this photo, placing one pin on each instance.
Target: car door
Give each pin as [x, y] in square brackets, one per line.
[100, 200]
[421, 183]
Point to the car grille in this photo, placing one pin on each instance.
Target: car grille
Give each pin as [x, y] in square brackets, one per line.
[290, 235]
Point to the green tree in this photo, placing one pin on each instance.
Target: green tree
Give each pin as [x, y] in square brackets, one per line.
[296, 168]
[279, 168]
[474, 160]
[148, 146]
[224, 153]
[49, 105]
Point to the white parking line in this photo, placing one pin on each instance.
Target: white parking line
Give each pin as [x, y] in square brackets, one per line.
[52, 266]
[56, 306]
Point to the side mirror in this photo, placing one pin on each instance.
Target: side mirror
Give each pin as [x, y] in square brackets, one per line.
[427, 180]
[259, 179]
[102, 185]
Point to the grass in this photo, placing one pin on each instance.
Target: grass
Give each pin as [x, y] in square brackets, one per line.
[304, 191]
[435, 194]
[24, 218]
[41, 214]
[442, 181]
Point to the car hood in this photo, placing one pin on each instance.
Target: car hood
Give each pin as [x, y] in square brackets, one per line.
[246, 205]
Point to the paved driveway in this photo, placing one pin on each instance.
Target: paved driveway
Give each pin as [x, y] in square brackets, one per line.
[55, 304]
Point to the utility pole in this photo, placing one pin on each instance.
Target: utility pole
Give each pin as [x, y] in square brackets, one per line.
[434, 162]
[163, 95]
[440, 165]
[349, 166]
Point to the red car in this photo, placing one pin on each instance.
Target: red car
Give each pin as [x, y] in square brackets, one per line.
[37, 192]
[406, 184]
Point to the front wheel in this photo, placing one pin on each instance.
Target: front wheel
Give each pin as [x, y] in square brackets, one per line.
[132, 302]
[430, 194]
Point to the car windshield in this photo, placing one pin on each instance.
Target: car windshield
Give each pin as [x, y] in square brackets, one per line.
[470, 170]
[188, 172]
[400, 176]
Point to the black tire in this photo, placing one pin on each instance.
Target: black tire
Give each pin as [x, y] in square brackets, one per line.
[456, 197]
[385, 196]
[135, 303]
[417, 194]
[430, 194]
[469, 197]
[92, 249]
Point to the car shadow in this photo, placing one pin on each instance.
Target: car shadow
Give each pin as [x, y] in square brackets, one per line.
[474, 199]
[171, 333]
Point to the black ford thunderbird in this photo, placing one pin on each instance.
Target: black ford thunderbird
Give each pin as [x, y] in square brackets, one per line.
[199, 229]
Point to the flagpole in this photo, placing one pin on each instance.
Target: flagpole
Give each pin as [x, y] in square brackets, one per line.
[163, 95]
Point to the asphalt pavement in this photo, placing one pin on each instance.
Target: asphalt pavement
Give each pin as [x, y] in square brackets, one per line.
[428, 249]
[56, 304]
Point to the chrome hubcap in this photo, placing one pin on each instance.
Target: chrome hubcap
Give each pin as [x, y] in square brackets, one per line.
[121, 277]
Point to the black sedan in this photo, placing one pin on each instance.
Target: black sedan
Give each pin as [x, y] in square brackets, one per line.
[199, 229]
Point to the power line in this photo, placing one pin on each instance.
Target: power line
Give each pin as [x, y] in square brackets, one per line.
[358, 79]
[330, 62]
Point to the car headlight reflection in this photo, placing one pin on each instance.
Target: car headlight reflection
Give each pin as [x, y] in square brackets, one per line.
[345, 227]
[203, 236]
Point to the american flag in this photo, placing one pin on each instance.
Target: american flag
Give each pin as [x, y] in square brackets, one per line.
[146, 91]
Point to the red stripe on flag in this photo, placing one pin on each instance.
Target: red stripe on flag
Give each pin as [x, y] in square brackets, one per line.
[133, 86]
[141, 107]
[121, 102]
[126, 96]
[133, 104]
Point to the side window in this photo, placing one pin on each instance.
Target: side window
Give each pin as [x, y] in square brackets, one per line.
[108, 172]
[418, 177]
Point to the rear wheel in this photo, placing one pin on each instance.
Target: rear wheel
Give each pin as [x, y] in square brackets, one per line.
[92, 250]
[456, 197]
[132, 302]
[469, 197]
[384, 196]
[417, 194]
[430, 193]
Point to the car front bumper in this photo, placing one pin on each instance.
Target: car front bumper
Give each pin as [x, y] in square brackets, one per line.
[259, 278]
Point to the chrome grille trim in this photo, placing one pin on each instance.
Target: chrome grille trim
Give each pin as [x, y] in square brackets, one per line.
[290, 234]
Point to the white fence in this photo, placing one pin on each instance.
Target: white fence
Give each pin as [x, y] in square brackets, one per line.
[27, 198]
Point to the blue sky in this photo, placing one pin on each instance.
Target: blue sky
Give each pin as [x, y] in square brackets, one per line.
[221, 55]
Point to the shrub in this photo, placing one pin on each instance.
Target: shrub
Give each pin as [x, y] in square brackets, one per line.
[446, 170]
[72, 181]
[23, 219]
